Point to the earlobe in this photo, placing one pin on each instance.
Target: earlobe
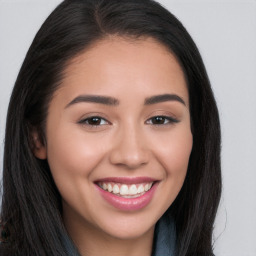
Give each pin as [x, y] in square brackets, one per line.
[38, 147]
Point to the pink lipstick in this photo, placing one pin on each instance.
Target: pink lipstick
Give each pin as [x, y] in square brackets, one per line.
[127, 193]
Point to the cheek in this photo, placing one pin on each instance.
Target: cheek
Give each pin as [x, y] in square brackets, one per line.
[174, 153]
[72, 157]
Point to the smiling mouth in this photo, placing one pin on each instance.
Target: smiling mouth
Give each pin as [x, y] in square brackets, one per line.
[126, 190]
[127, 193]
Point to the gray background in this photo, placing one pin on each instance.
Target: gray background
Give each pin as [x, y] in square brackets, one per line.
[225, 32]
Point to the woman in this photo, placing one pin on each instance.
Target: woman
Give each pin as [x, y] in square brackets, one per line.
[112, 140]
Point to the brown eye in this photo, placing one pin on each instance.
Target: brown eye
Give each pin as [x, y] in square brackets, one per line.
[161, 120]
[158, 120]
[94, 121]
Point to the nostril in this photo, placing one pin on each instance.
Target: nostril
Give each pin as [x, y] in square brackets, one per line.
[129, 159]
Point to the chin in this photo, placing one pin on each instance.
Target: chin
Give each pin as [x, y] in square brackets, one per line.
[129, 228]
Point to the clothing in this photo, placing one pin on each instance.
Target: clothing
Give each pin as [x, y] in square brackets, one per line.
[165, 238]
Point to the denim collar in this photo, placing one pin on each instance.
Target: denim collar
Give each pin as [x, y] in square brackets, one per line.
[165, 237]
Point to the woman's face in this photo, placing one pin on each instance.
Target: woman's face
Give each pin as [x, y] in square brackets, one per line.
[118, 137]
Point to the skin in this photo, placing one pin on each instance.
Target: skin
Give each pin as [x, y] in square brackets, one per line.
[125, 143]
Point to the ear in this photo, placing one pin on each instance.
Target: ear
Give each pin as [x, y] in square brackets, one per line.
[38, 146]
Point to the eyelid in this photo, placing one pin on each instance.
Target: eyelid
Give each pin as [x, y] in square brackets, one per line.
[171, 120]
[85, 119]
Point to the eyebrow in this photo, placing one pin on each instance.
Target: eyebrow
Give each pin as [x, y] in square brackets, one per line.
[110, 101]
[163, 98]
[94, 99]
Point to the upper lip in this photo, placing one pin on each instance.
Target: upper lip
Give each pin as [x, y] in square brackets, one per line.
[127, 180]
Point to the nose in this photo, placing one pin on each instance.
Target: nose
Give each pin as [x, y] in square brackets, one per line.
[130, 149]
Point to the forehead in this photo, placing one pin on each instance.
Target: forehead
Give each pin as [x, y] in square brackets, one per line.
[144, 65]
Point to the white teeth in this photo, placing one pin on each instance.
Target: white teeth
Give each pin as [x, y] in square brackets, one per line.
[116, 189]
[109, 188]
[148, 187]
[133, 190]
[140, 189]
[124, 190]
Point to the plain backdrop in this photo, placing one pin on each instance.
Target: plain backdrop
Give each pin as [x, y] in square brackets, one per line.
[225, 32]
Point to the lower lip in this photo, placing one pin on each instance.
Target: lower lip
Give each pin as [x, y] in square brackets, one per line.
[128, 204]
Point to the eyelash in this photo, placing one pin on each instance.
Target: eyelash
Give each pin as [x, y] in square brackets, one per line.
[94, 119]
[167, 120]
